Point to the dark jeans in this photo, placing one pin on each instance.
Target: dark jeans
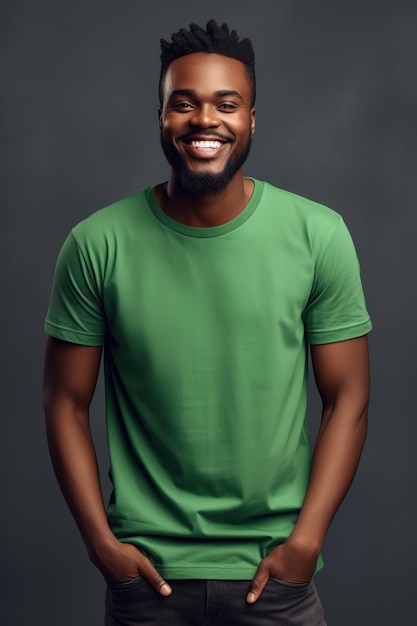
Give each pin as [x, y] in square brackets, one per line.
[212, 603]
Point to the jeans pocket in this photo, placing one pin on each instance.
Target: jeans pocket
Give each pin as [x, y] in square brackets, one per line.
[128, 584]
[289, 585]
[298, 603]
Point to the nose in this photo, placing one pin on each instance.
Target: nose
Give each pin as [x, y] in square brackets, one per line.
[205, 116]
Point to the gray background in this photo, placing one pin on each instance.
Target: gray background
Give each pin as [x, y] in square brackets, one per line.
[336, 122]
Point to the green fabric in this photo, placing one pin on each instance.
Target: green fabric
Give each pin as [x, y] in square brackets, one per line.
[205, 333]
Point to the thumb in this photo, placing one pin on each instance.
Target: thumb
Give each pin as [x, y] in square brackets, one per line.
[155, 579]
[258, 583]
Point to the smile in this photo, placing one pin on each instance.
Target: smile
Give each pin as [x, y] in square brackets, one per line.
[204, 148]
[205, 145]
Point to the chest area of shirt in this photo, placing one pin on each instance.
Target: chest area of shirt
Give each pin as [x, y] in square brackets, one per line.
[173, 290]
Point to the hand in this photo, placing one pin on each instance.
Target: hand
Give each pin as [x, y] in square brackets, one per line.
[121, 562]
[289, 562]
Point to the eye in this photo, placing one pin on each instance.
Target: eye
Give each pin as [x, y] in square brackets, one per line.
[182, 106]
[227, 106]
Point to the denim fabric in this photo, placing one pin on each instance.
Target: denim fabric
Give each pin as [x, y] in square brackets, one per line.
[213, 603]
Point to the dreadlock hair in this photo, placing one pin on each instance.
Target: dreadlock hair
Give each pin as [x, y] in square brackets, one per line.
[216, 39]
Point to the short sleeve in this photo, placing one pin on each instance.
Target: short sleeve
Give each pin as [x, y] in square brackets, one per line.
[336, 310]
[75, 312]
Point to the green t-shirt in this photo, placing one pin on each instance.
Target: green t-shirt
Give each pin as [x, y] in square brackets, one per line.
[205, 333]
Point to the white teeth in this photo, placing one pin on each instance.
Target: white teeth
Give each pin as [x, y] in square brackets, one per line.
[205, 144]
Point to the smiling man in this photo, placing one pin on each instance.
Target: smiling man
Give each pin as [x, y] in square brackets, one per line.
[205, 134]
[205, 292]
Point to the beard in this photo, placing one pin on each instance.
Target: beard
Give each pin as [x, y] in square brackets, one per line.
[204, 183]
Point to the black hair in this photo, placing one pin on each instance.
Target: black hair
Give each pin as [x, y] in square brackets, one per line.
[216, 39]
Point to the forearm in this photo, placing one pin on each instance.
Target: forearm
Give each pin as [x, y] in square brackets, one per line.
[336, 456]
[75, 464]
[73, 456]
[335, 459]
[69, 381]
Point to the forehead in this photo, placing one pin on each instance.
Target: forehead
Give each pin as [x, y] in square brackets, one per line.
[206, 73]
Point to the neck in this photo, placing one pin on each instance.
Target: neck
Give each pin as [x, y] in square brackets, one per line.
[204, 210]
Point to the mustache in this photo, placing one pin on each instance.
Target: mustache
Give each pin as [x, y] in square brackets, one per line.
[204, 133]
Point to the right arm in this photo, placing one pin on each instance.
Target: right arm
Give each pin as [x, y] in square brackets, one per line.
[70, 378]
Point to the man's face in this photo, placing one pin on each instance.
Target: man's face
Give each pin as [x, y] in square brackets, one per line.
[206, 120]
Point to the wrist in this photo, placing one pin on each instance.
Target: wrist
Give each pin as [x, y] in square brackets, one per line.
[101, 546]
[305, 547]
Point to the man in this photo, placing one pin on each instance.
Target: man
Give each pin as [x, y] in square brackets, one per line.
[205, 292]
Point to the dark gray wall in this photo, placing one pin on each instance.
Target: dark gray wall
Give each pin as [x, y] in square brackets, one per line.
[336, 123]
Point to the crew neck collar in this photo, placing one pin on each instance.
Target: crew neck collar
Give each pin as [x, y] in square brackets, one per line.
[207, 231]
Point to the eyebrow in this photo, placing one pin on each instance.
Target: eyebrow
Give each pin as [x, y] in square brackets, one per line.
[222, 93]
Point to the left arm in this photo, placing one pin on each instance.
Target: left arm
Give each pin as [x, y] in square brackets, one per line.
[341, 371]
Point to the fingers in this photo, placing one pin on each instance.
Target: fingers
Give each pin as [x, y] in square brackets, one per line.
[125, 562]
[258, 583]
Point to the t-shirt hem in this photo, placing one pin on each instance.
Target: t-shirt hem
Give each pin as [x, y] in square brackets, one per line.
[214, 572]
[316, 337]
[84, 339]
[206, 573]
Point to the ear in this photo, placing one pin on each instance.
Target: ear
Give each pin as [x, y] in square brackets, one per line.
[252, 121]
